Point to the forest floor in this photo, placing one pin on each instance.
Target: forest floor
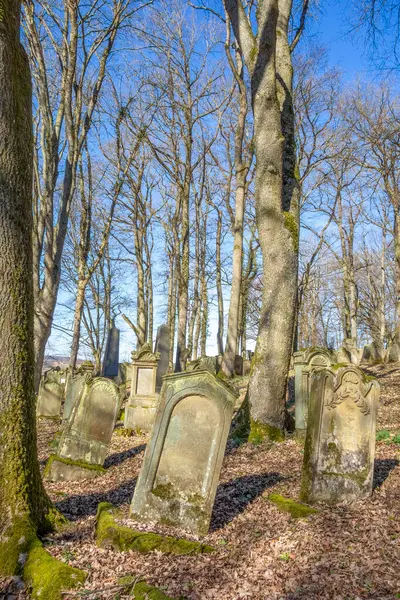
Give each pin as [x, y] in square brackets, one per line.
[346, 552]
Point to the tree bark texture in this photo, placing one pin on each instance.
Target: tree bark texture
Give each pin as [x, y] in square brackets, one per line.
[23, 503]
[277, 216]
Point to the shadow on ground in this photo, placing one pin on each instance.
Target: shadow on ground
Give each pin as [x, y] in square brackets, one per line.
[77, 506]
[119, 457]
[233, 497]
[382, 469]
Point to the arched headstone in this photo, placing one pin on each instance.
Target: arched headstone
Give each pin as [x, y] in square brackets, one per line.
[87, 435]
[182, 462]
[304, 362]
[340, 442]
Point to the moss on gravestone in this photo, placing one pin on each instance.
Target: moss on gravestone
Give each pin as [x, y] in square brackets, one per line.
[119, 537]
[296, 509]
[69, 461]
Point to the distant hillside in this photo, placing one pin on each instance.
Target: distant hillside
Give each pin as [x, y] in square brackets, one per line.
[57, 361]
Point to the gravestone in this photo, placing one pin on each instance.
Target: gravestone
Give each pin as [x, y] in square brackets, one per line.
[238, 365]
[182, 462]
[204, 362]
[51, 393]
[142, 403]
[373, 353]
[246, 367]
[340, 442]
[349, 353]
[393, 351]
[74, 386]
[111, 355]
[162, 347]
[86, 438]
[304, 362]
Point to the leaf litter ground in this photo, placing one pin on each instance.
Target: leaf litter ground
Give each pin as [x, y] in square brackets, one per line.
[347, 552]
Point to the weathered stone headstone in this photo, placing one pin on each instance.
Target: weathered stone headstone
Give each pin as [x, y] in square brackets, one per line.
[246, 367]
[75, 383]
[182, 462]
[304, 362]
[204, 362]
[111, 355]
[343, 356]
[124, 372]
[142, 403]
[373, 353]
[340, 442]
[349, 353]
[238, 365]
[85, 440]
[393, 351]
[51, 393]
[162, 347]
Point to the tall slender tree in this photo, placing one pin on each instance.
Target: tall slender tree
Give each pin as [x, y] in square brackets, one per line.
[24, 506]
[264, 43]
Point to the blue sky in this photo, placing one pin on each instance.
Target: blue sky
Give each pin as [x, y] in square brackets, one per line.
[331, 28]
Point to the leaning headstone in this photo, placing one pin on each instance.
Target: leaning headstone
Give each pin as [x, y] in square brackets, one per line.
[304, 362]
[182, 462]
[51, 393]
[340, 442]
[86, 438]
[111, 355]
[142, 403]
[162, 347]
[75, 383]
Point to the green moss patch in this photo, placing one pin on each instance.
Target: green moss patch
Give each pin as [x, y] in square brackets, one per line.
[292, 226]
[48, 577]
[142, 590]
[260, 432]
[296, 509]
[56, 440]
[68, 461]
[14, 543]
[338, 366]
[120, 538]
[122, 432]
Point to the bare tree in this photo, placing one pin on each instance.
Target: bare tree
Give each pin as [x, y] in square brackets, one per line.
[267, 55]
[70, 46]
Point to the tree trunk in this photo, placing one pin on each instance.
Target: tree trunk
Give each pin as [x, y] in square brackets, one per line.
[79, 303]
[220, 297]
[397, 268]
[23, 502]
[228, 362]
[241, 171]
[183, 283]
[382, 316]
[171, 310]
[276, 215]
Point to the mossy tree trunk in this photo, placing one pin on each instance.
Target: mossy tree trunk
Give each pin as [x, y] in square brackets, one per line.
[23, 502]
[269, 65]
